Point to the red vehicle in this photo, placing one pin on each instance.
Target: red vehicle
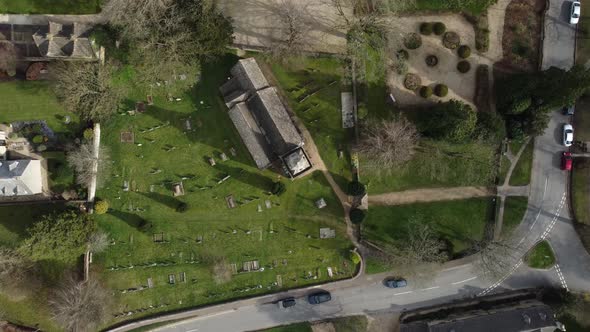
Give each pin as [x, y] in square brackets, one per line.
[566, 161]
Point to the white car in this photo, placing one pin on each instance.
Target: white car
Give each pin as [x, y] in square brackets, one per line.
[2, 145]
[568, 135]
[575, 12]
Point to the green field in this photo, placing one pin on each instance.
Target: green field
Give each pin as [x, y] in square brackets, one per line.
[471, 6]
[541, 256]
[50, 6]
[283, 238]
[458, 223]
[514, 210]
[521, 175]
[320, 112]
[437, 164]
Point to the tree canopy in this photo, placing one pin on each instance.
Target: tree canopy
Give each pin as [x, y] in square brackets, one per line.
[59, 236]
[453, 121]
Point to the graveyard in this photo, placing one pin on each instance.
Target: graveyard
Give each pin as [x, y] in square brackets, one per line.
[192, 221]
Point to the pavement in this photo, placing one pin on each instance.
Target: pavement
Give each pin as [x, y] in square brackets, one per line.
[548, 217]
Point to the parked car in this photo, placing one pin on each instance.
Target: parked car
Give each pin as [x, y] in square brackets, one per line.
[319, 297]
[286, 302]
[575, 12]
[395, 282]
[2, 145]
[568, 134]
[568, 110]
[566, 161]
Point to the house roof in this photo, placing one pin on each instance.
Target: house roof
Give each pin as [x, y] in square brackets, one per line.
[20, 177]
[248, 73]
[272, 115]
[251, 134]
[297, 162]
[509, 319]
[82, 48]
[64, 41]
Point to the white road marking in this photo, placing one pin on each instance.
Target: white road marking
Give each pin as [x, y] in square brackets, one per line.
[195, 330]
[561, 277]
[456, 267]
[429, 288]
[396, 294]
[462, 281]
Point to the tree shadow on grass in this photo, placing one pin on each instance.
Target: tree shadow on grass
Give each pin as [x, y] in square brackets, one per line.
[130, 219]
[256, 180]
[168, 201]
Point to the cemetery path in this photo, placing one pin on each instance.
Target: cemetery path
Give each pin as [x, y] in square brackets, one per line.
[430, 195]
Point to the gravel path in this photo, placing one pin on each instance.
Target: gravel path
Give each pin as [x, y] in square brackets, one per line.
[430, 195]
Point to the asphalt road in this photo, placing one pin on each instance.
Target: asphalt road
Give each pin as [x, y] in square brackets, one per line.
[548, 217]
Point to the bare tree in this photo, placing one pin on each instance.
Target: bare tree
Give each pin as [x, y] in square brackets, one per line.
[138, 16]
[293, 16]
[98, 242]
[81, 159]
[389, 143]
[18, 278]
[86, 88]
[7, 57]
[80, 306]
[495, 258]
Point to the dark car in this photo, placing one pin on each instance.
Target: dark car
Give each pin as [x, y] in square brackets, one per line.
[568, 110]
[395, 282]
[319, 297]
[566, 161]
[286, 302]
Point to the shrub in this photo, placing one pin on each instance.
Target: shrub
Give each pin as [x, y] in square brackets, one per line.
[402, 55]
[490, 126]
[451, 40]
[453, 121]
[425, 91]
[439, 28]
[182, 207]
[13, 135]
[356, 188]
[101, 207]
[363, 111]
[441, 90]
[278, 188]
[412, 41]
[88, 134]
[431, 60]
[520, 106]
[426, 28]
[463, 66]
[357, 216]
[412, 82]
[38, 139]
[41, 148]
[355, 257]
[464, 51]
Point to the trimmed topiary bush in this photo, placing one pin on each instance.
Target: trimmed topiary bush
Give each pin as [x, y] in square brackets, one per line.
[451, 40]
[101, 207]
[441, 90]
[41, 148]
[463, 66]
[426, 28]
[464, 51]
[412, 82]
[356, 188]
[38, 139]
[182, 207]
[439, 28]
[412, 41]
[431, 60]
[402, 55]
[355, 258]
[425, 91]
[278, 188]
[357, 216]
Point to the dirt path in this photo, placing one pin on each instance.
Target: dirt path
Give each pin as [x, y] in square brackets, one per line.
[430, 195]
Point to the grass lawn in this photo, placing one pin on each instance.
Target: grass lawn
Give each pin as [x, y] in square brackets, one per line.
[437, 164]
[350, 324]
[472, 6]
[49, 6]
[521, 176]
[504, 166]
[61, 176]
[374, 266]
[541, 256]
[582, 118]
[29, 312]
[33, 100]
[320, 112]
[514, 210]
[283, 238]
[457, 222]
[583, 35]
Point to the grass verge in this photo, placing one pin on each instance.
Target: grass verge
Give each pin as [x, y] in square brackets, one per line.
[521, 175]
[514, 210]
[583, 36]
[458, 223]
[475, 7]
[541, 256]
[298, 327]
[50, 6]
